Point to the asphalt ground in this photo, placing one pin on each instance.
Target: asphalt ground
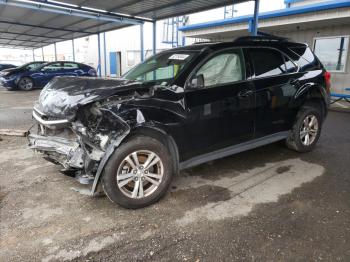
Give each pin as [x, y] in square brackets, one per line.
[267, 204]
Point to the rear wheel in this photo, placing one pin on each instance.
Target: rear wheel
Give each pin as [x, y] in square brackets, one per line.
[138, 173]
[306, 130]
[25, 84]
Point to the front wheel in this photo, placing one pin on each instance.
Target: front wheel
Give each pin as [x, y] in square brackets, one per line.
[25, 84]
[306, 130]
[139, 173]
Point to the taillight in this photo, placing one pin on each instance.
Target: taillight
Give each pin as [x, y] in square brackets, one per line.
[327, 79]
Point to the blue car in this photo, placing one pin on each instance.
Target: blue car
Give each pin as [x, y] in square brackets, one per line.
[6, 66]
[38, 76]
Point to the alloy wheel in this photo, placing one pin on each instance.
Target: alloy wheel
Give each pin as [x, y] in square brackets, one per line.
[309, 130]
[25, 84]
[140, 174]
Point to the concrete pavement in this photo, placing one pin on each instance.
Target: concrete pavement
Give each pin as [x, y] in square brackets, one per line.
[265, 204]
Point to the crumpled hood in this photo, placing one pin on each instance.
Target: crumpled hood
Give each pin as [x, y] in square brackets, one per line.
[62, 96]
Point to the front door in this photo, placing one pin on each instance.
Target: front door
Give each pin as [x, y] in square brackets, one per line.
[221, 111]
[50, 71]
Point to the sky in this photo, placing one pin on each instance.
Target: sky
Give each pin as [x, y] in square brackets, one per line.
[240, 10]
[64, 49]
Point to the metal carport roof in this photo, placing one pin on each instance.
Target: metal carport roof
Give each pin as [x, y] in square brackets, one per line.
[30, 24]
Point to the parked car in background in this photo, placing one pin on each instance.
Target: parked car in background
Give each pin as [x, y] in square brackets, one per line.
[36, 75]
[181, 108]
[9, 77]
[6, 66]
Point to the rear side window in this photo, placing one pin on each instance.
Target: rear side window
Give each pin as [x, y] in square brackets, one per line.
[53, 67]
[270, 62]
[70, 65]
[304, 57]
[290, 66]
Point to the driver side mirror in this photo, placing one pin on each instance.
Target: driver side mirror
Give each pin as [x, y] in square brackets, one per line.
[197, 81]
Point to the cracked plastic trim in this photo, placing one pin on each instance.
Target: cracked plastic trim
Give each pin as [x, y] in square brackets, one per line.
[115, 142]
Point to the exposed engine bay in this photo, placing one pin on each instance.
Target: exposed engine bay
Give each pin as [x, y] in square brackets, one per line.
[78, 132]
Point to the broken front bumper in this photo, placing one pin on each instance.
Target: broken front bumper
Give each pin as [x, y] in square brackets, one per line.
[63, 151]
[70, 144]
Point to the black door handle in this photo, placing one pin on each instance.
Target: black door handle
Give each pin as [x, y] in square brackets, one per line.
[245, 93]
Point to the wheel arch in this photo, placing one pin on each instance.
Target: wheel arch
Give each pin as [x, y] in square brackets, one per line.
[160, 135]
[25, 76]
[313, 94]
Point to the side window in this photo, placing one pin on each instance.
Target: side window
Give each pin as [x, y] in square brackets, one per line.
[68, 66]
[304, 57]
[290, 67]
[267, 62]
[53, 67]
[33, 66]
[223, 68]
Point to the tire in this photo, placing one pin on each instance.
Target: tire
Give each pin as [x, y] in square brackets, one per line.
[309, 114]
[119, 168]
[25, 84]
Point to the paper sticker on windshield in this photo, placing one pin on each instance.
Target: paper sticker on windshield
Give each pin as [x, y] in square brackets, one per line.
[178, 57]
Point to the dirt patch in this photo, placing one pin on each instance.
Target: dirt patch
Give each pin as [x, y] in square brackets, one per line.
[202, 195]
[283, 169]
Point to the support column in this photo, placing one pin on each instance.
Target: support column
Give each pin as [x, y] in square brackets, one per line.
[54, 45]
[99, 55]
[73, 48]
[172, 32]
[177, 31]
[42, 54]
[154, 37]
[184, 21]
[105, 53]
[142, 51]
[255, 22]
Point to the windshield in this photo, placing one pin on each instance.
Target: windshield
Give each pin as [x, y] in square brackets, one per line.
[163, 67]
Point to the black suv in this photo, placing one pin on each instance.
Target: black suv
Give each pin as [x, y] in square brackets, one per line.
[181, 108]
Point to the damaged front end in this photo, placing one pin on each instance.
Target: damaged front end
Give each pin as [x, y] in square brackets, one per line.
[83, 141]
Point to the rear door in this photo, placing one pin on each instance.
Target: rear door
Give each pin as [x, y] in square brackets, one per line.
[71, 69]
[221, 113]
[274, 77]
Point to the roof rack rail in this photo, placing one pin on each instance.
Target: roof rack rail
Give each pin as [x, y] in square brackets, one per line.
[261, 37]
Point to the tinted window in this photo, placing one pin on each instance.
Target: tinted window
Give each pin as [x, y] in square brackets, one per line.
[53, 67]
[290, 66]
[33, 66]
[223, 68]
[70, 66]
[332, 52]
[304, 57]
[267, 62]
